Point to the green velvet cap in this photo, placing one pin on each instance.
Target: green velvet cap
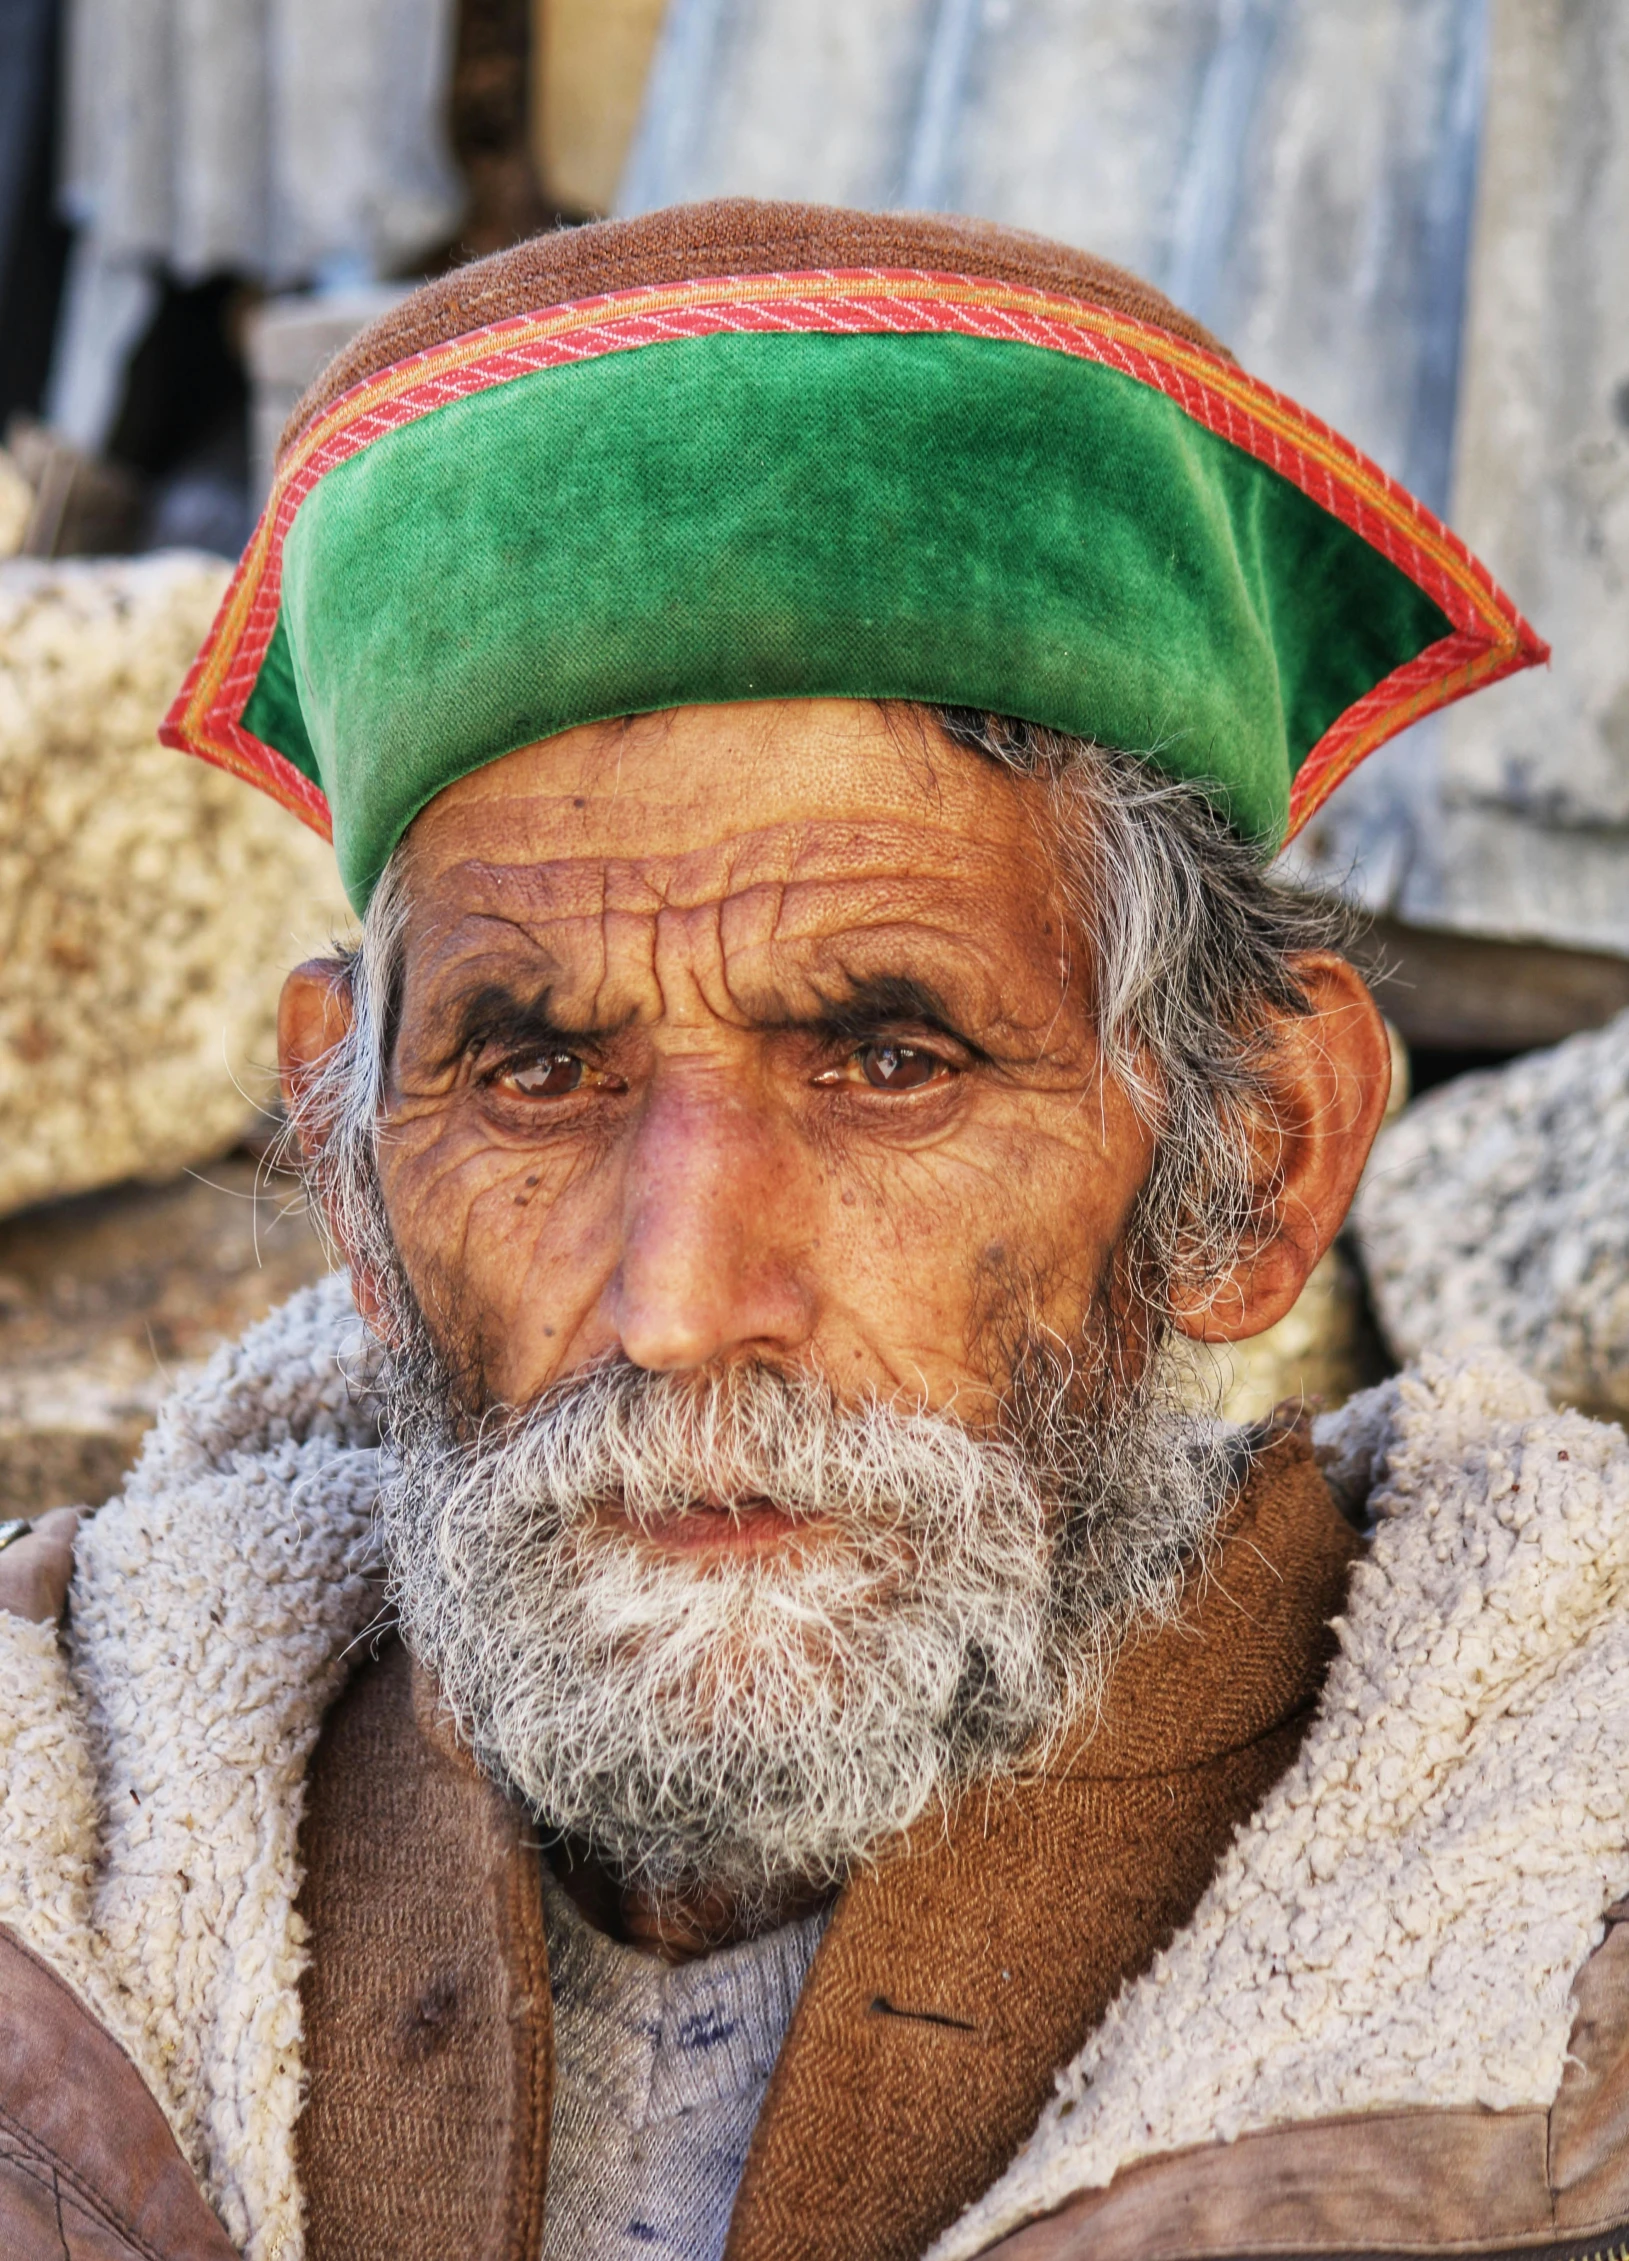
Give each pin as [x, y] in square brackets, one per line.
[1030, 507]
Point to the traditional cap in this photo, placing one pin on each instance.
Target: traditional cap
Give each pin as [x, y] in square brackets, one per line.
[748, 451]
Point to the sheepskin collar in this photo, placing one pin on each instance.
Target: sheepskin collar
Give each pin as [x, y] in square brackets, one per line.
[1399, 1924]
[213, 1607]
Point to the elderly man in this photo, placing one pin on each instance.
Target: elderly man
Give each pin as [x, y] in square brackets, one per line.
[714, 1693]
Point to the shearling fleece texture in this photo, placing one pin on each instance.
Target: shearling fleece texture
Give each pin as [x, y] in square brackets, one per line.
[212, 1605]
[1401, 1921]
[47, 1802]
[1399, 1924]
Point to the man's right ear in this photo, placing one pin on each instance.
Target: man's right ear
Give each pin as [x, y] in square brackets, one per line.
[313, 1014]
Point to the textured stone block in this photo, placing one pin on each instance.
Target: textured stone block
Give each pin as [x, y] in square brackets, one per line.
[1497, 1209]
[149, 904]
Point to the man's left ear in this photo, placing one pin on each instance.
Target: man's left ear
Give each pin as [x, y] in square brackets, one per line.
[1328, 1078]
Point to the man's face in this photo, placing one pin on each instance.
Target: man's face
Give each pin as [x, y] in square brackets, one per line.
[776, 1446]
[748, 1033]
[747, 1159]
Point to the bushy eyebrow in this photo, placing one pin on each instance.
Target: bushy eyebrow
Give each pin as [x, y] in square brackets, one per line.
[870, 1003]
[502, 1019]
[496, 1018]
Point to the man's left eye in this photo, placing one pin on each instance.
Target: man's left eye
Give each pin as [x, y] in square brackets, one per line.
[897, 1067]
[551, 1075]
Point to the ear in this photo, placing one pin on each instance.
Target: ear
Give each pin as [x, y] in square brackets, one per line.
[313, 1014]
[1328, 1078]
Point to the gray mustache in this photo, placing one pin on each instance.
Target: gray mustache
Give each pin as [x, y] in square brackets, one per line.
[656, 1445]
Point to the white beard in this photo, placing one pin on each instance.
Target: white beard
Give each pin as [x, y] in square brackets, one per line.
[743, 1724]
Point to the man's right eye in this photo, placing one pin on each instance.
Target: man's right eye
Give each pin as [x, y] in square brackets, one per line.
[548, 1075]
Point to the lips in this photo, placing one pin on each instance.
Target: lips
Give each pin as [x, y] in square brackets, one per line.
[743, 1526]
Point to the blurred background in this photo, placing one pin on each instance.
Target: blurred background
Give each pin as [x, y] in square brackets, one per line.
[1412, 215]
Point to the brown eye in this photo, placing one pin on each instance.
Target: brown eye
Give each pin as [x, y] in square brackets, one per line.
[897, 1067]
[552, 1075]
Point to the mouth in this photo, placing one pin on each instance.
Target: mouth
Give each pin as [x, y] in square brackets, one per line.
[716, 1526]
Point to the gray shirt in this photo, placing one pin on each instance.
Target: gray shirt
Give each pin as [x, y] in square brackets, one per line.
[659, 2071]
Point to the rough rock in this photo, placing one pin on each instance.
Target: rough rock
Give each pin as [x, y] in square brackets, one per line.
[108, 1301]
[149, 904]
[1496, 1209]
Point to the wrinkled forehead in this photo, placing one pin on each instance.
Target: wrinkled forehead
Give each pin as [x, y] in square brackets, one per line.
[782, 841]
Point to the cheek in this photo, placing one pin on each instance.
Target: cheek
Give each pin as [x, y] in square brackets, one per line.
[929, 1249]
[506, 1244]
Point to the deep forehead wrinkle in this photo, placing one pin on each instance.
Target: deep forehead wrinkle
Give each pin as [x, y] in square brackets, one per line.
[535, 904]
[569, 915]
[767, 915]
[749, 922]
[589, 880]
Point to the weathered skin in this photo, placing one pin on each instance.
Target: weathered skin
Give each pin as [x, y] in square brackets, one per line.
[686, 904]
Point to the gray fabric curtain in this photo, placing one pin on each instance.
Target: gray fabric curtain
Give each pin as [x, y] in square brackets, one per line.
[291, 142]
[283, 139]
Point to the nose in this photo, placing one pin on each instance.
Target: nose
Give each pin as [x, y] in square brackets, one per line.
[716, 1243]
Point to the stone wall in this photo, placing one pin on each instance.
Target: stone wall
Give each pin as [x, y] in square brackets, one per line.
[149, 904]
[1496, 1209]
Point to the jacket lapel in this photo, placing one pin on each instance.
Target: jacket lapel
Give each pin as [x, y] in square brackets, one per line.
[426, 1998]
[89, 2167]
[955, 1979]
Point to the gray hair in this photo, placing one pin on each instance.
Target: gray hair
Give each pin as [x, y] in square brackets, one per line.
[1190, 947]
[1188, 943]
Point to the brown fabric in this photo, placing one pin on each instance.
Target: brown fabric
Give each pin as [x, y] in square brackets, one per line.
[426, 2002]
[953, 1983]
[732, 236]
[89, 2170]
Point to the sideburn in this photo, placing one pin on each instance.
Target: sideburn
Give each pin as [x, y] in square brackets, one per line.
[1040, 1370]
